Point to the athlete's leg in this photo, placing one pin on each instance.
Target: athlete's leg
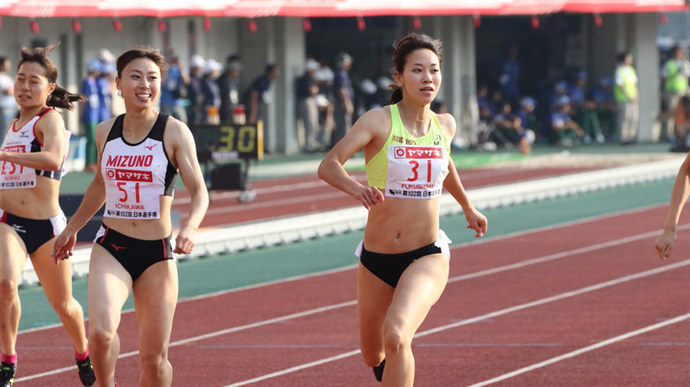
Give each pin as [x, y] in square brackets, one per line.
[420, 286]
[373, 298]
[155, 298]
[57, 285]
[109, 287]
[12, 260]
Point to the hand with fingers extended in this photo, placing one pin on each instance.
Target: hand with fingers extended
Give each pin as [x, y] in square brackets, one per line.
[476, 221]
[664, 244]
[64, 244]
[368, 196]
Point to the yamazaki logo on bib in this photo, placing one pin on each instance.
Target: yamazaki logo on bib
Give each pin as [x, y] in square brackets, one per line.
[417, 152]
[128, 175]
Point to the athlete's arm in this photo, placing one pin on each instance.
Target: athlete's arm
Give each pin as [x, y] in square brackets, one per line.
[331, 169]
[93, 200]
[50, 130]
[679, 195]
[187, 163]
[475, 219]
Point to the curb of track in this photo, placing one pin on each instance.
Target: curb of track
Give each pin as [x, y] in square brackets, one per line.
[248, 236]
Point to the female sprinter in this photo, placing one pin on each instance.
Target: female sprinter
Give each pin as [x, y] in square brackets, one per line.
[404, 256]
[31, 160]
[139, 155]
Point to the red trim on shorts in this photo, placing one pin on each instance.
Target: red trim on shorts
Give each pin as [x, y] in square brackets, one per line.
[164, 249]
[106, 228]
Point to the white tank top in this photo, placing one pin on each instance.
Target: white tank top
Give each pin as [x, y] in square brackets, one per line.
[23, 140]
[136, 175]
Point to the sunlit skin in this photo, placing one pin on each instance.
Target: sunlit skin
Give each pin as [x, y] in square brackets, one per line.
[389, 316]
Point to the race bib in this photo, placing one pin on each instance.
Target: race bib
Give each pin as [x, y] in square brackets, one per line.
[13, 176]
[416, 171]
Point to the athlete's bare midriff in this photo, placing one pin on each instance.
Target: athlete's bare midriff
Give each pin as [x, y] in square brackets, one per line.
[401, 225]
[39, 202]
[145, 229]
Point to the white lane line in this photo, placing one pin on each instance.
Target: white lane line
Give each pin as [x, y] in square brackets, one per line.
[580, 351]
[476, 319]
[331, 307]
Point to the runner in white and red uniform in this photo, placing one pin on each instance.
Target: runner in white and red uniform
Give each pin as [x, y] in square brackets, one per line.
[31, 158]
[139, 155]
[404, 256]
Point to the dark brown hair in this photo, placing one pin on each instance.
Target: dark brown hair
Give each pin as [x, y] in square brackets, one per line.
[403, 48]
[141, 52]
[59, 97]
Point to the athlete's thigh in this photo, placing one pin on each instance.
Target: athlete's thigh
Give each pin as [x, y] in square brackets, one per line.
[373, 298]
[155, 298]
[12, 254]
[420, 286]
[109, 287]
[55, 280]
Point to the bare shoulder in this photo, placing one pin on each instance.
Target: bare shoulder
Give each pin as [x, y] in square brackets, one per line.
[177, 131]
[375, 121]
[448, 124]
[52, 120]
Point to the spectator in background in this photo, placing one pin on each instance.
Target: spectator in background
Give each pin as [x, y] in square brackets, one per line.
[674, 78]
[681, 129]
[509, 131]
[91, 110]
[509, 74]
[106, 86]
[258, 99]
[308, 111]
[210, 91]
[229, 88]
[8, 107]
[343, 96]
[195, 108]
[324, 102]
[584, 110]
[626, 93]
[174, 90]
[602, 96]
[564, 131]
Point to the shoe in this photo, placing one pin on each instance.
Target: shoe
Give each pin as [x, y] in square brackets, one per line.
[378, 370]
[7, 371]
[86, 375]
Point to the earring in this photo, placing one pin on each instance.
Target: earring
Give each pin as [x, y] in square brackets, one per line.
[119, 93]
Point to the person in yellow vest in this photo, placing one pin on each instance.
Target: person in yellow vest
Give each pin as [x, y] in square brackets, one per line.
[674, 74]
[626, 93]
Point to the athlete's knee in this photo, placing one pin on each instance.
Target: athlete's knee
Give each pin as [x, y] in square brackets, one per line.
[396, 340]
[8, 290]
[62, 307]
[101, 338]
[155, 364]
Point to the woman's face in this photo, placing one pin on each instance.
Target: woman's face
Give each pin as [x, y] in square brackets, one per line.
[140, 83]
[31, 86]
[421, 76]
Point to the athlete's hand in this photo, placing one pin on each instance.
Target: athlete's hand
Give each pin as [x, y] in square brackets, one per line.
[64, 244]
[183, 242]
[664, 244]
[368, 196]
[476, 221]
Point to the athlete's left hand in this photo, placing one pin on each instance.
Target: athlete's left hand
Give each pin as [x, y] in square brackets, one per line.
[476, 221]
[183, 242]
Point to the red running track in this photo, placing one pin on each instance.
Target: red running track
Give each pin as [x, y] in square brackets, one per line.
[535, 308]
